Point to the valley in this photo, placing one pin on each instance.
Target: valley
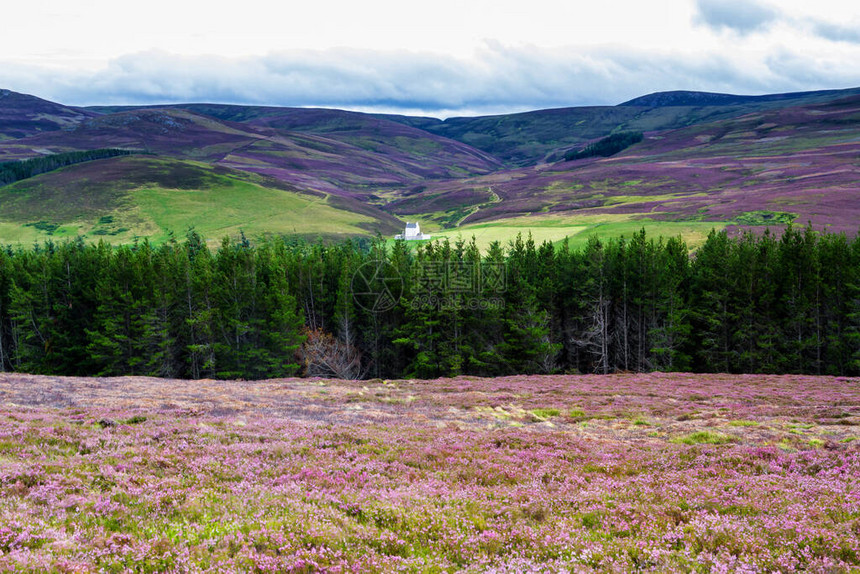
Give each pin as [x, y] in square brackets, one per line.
[707, 161]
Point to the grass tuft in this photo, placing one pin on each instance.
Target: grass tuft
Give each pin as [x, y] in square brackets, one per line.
[702, 437]
[545, 413]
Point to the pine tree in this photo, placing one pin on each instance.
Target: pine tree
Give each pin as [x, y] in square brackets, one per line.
[712, 306]
[5, 286]
[852, 295]
[485, 333]
[594, 335]
[800, 279]
[198, 311]
[670, 336]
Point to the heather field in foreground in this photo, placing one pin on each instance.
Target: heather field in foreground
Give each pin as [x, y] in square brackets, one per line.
[661, 472]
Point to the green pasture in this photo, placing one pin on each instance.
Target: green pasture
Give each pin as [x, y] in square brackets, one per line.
[577, 229]
[120, 210]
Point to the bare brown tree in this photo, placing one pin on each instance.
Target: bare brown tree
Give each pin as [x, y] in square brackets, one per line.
[327, 356]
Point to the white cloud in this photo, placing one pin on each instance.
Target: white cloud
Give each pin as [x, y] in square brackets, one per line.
[742, 16]
[745, 17]
[499, 78]
[480, 58]
[837, 32]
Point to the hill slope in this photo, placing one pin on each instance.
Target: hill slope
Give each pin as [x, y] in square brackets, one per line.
[143, 196]
[22, 115]
[524, 138]
[707, 160]
[763, 168]
[543, 136]
[336, 152]
[688, 98]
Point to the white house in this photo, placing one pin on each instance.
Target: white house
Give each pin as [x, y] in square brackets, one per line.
[412, 232]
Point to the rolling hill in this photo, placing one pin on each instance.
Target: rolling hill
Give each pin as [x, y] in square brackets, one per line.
[23, 115]
[707, 160]
[122, 198]
[360, 159]
[542, 136]
[761, 169]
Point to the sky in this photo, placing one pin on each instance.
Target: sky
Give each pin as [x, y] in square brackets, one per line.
[441, 58]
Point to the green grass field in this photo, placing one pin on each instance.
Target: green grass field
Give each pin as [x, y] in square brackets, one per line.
[578, 229]
[157, 197]
[256, 210]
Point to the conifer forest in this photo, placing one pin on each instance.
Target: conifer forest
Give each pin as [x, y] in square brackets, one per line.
[370, 308]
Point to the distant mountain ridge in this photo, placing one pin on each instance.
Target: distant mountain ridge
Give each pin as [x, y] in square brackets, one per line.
[526, 138]
[691, 98]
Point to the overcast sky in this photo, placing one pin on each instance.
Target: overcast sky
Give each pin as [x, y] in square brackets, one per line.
[440, 58]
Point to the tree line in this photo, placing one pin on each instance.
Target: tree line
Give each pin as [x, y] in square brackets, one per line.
[12, 171]
[605, 147]
[364, 308]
